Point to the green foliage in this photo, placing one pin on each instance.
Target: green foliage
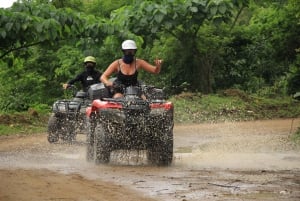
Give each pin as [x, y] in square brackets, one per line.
[70, 62]
[279, 107]
[36, 48]
[278, 89]
[76, 5]
[294, 76]
[27, 24]
[20, 129]
[261, 51]
[206, 45]
[23, 123]
[198, 108]
[208, 108]
[181, 20]
[104, 8]
[41, 109]
[16, 89]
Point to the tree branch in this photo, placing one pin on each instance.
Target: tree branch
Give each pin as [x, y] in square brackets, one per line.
[18, 48]
[236, 17]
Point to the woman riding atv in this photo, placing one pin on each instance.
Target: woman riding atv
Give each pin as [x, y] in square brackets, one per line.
[127, 68]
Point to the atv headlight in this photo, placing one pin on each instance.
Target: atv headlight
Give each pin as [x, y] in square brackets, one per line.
[59, 107]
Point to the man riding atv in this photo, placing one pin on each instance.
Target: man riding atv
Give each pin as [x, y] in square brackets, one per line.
[68, 115]
[88, 77]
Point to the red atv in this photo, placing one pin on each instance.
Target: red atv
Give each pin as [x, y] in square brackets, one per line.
[130, 123]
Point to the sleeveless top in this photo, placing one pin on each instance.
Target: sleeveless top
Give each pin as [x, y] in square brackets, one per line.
[127, 80]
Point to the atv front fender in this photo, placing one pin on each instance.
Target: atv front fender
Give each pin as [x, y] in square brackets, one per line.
[88, 111]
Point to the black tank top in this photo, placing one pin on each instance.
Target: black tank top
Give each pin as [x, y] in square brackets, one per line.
[127, 80]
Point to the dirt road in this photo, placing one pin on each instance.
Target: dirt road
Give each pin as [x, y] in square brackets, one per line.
[225, 161]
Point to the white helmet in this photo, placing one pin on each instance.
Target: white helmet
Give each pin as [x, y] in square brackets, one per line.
[129, 45]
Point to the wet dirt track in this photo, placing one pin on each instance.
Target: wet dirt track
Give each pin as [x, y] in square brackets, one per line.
[225, 161]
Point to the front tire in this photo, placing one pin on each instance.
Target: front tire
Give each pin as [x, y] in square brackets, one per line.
[91, 124]
[53, 129]
[68, 130]
[161, 151]
[101, 145]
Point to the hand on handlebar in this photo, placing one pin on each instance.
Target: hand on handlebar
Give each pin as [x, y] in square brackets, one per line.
[115, 87]
[65, 86]
[108, 84]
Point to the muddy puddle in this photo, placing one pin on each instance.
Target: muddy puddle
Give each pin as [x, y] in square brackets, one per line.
[225, 161]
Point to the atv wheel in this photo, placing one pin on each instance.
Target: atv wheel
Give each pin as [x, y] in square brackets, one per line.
[68, 132]
[101, 145]
[81, 125]
[161, 151]
[91, 123]
[53, 131]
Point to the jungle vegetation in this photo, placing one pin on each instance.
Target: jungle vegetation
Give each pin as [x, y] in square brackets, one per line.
[207, 46]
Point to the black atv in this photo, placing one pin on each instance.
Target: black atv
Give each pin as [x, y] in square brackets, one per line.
[68, 117]
[141, 120]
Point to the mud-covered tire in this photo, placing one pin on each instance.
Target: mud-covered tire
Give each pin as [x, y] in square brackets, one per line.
[53, 129]
[90, 138]
[68, 132]
[81, 125]
[101, 145]
[161, 151]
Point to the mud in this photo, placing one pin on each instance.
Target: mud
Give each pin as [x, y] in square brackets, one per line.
[226, 161]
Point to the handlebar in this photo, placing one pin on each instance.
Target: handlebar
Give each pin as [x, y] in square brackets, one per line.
[71, 86]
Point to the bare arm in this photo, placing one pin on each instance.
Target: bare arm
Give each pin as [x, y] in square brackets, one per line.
[151, 68]
[113, 67]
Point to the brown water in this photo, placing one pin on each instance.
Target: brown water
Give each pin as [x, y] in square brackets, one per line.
[226, 161]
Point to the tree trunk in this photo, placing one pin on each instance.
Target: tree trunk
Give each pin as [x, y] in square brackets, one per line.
[202, 75]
